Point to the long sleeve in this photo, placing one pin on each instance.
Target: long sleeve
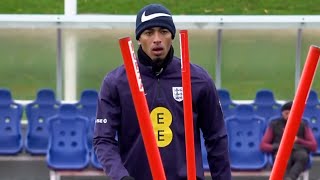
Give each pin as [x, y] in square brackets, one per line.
[107, 122]
[266, 142]
[309, 141]
[215, 134]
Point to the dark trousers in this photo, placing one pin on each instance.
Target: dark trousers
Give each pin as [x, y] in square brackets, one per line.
[297, 163]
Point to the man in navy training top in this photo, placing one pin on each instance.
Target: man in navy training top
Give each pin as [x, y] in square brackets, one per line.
[304, 143]
[117, 140]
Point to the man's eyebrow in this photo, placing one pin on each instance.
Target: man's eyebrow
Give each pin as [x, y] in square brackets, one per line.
[149, 29]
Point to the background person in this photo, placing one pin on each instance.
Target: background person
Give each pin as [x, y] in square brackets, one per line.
[304, 143]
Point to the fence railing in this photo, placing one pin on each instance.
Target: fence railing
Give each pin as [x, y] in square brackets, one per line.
[181, 21]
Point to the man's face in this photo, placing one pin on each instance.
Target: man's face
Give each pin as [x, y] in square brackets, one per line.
[285, 114]
[156, 42]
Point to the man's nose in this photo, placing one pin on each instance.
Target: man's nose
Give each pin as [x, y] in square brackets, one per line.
[157, 38]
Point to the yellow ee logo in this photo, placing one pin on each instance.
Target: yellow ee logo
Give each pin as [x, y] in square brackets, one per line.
[161, 119]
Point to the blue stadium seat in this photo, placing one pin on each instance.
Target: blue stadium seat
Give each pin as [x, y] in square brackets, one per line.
[44, 106]
[312, 112]
[10, 119]
[312, 104]
[245, 131]
[228, 106]
[244, 111]
[313, 98]
[68, 147]
[87, 107]
[265, 104]
[205, 163]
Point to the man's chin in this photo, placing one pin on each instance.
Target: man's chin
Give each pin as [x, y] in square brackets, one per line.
[158, 60]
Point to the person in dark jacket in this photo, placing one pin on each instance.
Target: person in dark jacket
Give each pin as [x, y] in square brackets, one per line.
[304, 143]
[118, 143]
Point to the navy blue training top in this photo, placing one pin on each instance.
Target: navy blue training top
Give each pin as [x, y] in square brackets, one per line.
[117, 139]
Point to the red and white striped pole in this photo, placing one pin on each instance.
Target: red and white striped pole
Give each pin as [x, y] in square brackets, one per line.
[187, 105]
[141, 107]
[295, 115]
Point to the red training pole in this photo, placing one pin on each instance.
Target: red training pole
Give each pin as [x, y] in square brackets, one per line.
[142, 110]
[187, 105]
[295, 115]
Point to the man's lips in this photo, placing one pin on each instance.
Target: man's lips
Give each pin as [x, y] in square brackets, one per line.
[157, 50]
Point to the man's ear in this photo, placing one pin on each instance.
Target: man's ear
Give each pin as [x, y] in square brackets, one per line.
[139, 43]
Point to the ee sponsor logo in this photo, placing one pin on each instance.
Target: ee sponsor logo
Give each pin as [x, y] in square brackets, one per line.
[161, 119]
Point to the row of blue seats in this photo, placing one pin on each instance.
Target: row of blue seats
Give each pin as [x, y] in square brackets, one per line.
[245, 131]
[43, 107]
[62, 132]
[67, 131]
[266, 106]
[264, 103]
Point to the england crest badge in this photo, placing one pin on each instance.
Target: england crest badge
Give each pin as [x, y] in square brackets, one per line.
[177, 93]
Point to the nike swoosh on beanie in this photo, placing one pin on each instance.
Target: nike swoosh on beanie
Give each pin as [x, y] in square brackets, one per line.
[145, 18]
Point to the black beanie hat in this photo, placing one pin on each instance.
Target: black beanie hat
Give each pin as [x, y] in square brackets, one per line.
[154, 15]
[286, 106]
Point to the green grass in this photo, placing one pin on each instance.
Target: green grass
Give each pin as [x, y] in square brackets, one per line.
[221, 7]
[218, 7]
[32, 7]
